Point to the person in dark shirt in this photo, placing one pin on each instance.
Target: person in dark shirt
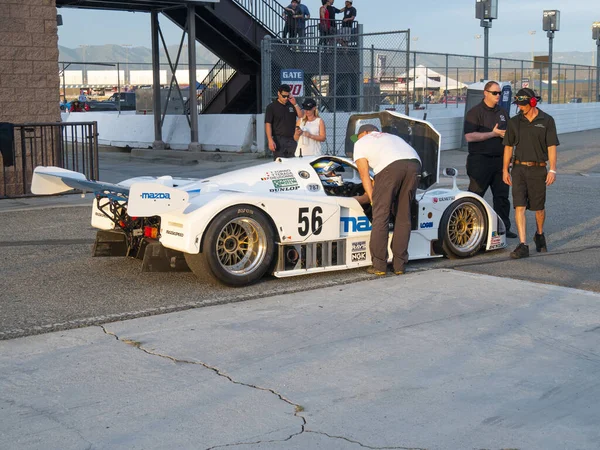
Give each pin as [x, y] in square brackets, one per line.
[290, 28]
[280, 123]
[532, 135]
[332, 12]
[484, 128]
[348, 22]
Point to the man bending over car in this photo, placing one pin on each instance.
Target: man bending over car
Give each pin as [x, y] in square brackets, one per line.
[396, 166]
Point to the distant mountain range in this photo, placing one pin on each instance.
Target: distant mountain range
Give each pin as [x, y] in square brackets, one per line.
[129, 55]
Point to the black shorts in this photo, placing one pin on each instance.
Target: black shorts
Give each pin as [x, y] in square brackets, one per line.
[529, 187]
[285, 147]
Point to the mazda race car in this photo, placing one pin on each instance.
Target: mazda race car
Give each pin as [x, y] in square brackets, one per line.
[288, 217]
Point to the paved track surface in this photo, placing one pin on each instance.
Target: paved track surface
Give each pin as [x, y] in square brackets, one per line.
[50, 282]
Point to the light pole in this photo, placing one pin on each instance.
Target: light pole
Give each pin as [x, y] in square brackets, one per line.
[486, 11]
[551, 23]
[477, 37]
[532, 34]
[84, 72]
[127, 80]
[596, 37]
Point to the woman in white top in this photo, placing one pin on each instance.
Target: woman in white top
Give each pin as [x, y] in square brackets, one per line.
[310, 130]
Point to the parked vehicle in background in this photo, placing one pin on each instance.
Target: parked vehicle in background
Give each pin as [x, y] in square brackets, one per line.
[100, 106]
[576, 100]
[126, 99]
[94, 105]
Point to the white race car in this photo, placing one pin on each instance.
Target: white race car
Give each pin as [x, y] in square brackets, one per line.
[288, 217]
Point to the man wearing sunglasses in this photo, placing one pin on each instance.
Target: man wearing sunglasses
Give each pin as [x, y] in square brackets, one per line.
[280, 123]
[532, 136]
[484, 129]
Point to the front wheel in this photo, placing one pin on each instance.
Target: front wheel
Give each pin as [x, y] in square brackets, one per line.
[239, 247]
[463, 228]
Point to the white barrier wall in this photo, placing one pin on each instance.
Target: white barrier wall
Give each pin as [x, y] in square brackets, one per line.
[73, 77]
[140, 77]
[245, 133]
[107, 77]
[235, 134]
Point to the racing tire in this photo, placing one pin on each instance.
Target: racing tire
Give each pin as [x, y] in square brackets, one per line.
[238, 247]
[463, 228]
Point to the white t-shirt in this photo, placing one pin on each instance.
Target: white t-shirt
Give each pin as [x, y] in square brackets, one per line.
[309, 146]
[382, 149]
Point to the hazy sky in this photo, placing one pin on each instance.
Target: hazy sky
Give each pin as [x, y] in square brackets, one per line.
[445, 26]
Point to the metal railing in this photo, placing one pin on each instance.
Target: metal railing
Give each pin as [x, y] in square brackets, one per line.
[437, 73]
[72, 146]
[269, 13]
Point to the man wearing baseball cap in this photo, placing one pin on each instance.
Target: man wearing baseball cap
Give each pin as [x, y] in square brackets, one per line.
[532, 135]
[397, 167]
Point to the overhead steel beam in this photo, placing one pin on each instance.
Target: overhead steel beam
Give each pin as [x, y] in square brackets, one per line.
[158, 143]
[193, 99]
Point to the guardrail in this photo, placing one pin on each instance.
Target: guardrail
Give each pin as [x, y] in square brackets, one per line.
[72, 146]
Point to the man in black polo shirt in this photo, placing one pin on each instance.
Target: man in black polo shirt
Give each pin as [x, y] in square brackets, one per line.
[532, 134]
[484, 128]
[280, 123]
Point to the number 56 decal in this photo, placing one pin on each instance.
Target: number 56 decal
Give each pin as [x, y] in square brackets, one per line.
[310, 222]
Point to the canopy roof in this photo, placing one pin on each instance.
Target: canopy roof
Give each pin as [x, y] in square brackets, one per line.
[128, 5]
[421, 77]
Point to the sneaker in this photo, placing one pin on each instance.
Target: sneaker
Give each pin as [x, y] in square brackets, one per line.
[373, 271]
[511, 235]
[540, 242]
[522, 251]
[399, 272]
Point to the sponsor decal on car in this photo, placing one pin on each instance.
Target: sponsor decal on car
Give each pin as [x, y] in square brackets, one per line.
[156, 195]
[278, 174]
[285, 189]
[359, 256]
[360, 246]
[304, 174]
[313, 187]
[496, 242]
[442, 199]
[426, 225]
[285, 182]
[174, 233]
[355, 224]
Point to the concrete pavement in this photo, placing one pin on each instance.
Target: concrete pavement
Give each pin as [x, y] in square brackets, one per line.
[435, 360]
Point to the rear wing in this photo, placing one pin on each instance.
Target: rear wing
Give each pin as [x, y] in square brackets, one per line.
[56, 180]
[143, 199]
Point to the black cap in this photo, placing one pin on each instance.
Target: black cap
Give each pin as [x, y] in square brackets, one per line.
[524, 92]
[308, 103]
[367, 127]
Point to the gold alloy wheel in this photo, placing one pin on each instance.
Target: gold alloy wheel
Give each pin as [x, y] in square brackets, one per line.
[241, 246]
[465, 228]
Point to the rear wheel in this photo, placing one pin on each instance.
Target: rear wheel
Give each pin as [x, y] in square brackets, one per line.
[463, 228]
[239, 247]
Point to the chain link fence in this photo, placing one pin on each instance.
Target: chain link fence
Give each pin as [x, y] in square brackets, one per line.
[342, 71]
[571, 82]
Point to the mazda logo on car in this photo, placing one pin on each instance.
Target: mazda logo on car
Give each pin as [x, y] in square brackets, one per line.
[156, 195]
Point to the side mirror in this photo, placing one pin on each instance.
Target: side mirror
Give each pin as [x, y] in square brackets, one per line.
[452, 172]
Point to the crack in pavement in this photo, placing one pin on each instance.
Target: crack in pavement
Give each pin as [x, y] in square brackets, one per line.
[361, 444]
[297, 408]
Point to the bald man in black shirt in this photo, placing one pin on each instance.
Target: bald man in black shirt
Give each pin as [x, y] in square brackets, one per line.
[485, 125]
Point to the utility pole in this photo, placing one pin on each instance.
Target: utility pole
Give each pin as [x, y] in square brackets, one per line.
[551, 23]
[486, 11]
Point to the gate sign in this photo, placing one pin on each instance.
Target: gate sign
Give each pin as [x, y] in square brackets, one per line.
[295, 78]
[525, 83]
